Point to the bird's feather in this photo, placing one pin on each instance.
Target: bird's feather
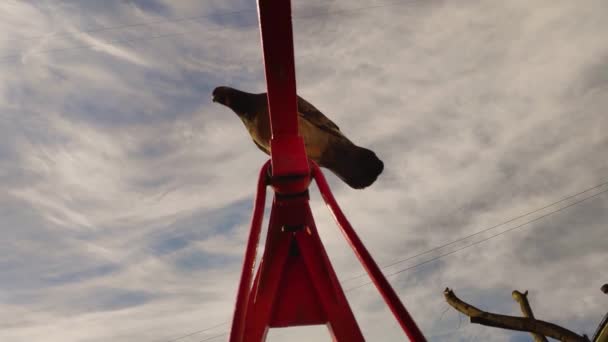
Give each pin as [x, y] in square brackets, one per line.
[323, 140]
[262, 148]
[315, 117]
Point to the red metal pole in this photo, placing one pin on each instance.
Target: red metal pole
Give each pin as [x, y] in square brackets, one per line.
[386, 290]
[242, 299]
[277, 44]
[287, 147]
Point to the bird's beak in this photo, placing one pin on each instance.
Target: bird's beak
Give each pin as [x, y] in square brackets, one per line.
[213, 99]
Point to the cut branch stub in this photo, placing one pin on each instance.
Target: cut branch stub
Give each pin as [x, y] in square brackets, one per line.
[526, 310]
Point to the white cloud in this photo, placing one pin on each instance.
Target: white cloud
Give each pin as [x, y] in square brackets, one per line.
[125, 191]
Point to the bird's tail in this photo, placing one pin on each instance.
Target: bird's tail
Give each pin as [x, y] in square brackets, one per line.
[356, 166]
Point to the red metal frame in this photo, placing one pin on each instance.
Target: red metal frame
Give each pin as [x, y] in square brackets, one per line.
[295, 283]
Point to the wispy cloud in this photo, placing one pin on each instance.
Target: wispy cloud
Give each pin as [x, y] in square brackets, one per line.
[111, 49]
[125, 193]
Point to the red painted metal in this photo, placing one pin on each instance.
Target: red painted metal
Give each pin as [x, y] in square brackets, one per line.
[287, 147]
[386, 290]
[277, 43]
[242, 299]
[295, 283]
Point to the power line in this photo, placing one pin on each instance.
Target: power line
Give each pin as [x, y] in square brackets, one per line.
[65, 33]
[459, 240]
[13, 57]
[198, 332]
[214, 337]
[483, 230]
[483, 240]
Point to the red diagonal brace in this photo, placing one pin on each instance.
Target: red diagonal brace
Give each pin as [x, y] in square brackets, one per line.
[242, 299]
[386, 290]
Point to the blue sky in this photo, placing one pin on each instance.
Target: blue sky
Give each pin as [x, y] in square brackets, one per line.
[125, 193]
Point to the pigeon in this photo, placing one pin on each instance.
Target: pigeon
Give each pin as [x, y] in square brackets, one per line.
[324, 142]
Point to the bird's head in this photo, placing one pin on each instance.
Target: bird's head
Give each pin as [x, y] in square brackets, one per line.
[242, 103]
[222, 95]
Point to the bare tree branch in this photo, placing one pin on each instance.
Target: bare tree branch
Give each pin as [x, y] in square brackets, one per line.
[526, 310]
[512, 323]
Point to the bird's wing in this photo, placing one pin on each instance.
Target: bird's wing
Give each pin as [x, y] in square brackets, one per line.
[314, 116]
[262, 148]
